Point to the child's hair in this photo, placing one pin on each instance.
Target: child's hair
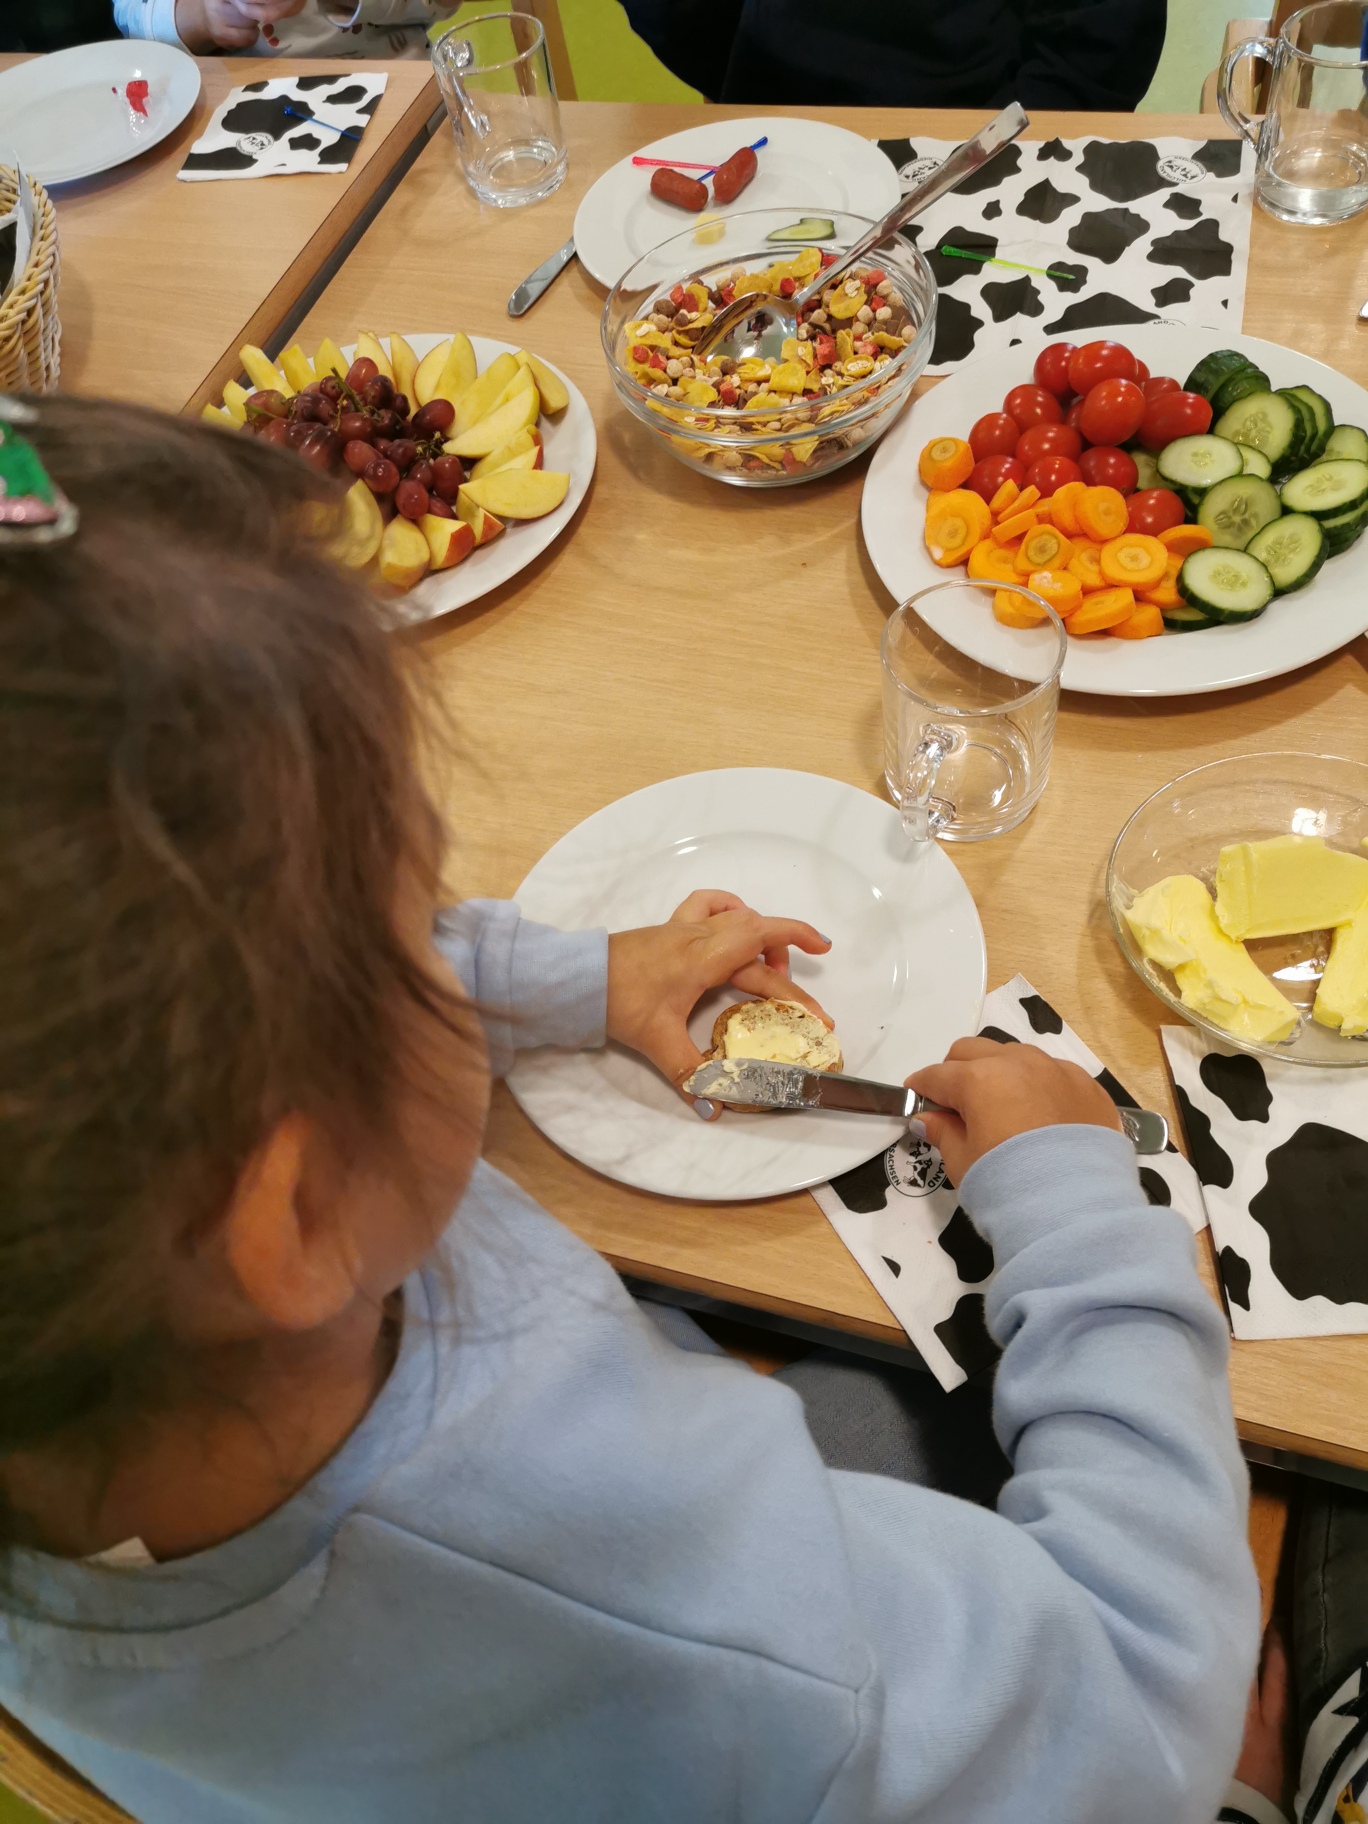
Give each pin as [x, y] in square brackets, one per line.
[207, 809]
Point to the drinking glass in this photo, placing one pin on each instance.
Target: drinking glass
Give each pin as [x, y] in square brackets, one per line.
[968, 727]
[495, 78]
[1313, 142]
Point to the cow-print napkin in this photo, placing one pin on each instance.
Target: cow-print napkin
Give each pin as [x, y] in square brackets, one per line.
[1282, 1153]
[286, 124]
[1134, 231]
[899, 1215]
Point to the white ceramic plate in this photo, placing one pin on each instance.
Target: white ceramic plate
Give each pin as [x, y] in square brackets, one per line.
[813, 166]
[903, 980]
[570, 445]
[66, 115]
[1294, 630]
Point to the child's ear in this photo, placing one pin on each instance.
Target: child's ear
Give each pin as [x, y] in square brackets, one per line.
[297, 1270]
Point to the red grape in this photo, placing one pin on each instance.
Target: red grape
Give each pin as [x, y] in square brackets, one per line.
[320, 448]
[354, 425]
[421, 472]
[1028, 405]
[1103, 467]
[403, 453]
[358, 455]
[447, 476]
[411, 499]
[361, 372]
[386, 423]
[442, 508]
[378, 392]
[296, 430]
[401, 404]
[380, 475]
[992, 471]
[1051, 472]
[1052, 368]
[330, 387]
[434, 417]
[267, 404]
[275, 430]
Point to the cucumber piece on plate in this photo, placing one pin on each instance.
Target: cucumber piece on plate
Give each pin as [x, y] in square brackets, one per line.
[1237, 386]
[1255, 462]
[1147, 472]
[1343, 530]
[1212, 369]
[1233, 511]
[1310, 428]
[1186, 619]
[1198, 462]
[1291, 549]
[1268, 422]
[1328, 488]
[1227, 585]
[1320, 410]
[811, 228]
[1346, 440]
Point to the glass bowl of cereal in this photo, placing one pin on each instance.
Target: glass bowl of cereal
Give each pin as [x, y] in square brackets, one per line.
[842, 379]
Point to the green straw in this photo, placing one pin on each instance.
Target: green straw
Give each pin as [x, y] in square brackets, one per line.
[987, 259]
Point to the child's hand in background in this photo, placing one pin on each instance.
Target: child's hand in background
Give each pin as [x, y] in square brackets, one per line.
[658, 975]
[228, 25]
[997, 1091]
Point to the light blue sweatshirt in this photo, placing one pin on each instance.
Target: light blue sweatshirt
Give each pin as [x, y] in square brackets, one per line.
[565, 1571]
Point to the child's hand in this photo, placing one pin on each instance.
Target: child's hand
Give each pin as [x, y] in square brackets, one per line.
[657, 975]
[228, 25]
[997, 1091]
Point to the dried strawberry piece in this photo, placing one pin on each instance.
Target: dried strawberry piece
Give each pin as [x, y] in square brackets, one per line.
[135, 93]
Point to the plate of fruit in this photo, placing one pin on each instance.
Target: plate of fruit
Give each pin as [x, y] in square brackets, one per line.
[465, 457]
[1174, 484]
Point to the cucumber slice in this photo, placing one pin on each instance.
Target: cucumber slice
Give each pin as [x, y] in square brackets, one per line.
[1212, 369]
[811, 228]
[1310, 429]
[1255, 462]
[1267, 421]
[1328, 488]
[1291, 549]
[1346, 440]
[1186, 619]
[1147, 473]
[1320, 411]
[1238, 386]
[1227, 585]
[1198, 462]
[1343, 530]
[1233, 511]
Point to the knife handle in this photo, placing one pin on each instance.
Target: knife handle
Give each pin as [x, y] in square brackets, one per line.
[1147, 1132]
[525, 295]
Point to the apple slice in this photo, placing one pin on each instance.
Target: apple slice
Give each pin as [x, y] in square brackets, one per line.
[554, 397]
[297, 368]
[525, 459]
[528, 439]
[485, 436]
[363, 527]
[521, 382]
[449, 540]
[369, 347]
[458, 374]
[430, 372]
[477, 401]
[405, 365]
[263, 373]
[218, 414]
[404, 554]
[518, 493]
[235, 399]
[482, 524]
[329, 359]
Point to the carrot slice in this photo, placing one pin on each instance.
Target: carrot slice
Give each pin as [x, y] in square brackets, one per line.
[1063, 592]
[1184, 540]
[1003, 499]
[1027, 498]
[1016, 527]
[1163, 594]
[1104, 608]
[1044, 511]
[1102, 513]
[1066, 501]
[990, 563]
[1015, 610]
[946, 462]
[1134, 560]
[1085, 565]
[1043, 548]
[959, 521]
[1143, 624]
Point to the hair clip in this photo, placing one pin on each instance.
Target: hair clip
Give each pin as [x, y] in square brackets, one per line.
[33, 509]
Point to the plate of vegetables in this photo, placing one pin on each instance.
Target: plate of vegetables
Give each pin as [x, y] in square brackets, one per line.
[1173, 484]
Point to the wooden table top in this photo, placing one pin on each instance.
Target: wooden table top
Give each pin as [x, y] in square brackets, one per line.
[162, 282]
[612, 663]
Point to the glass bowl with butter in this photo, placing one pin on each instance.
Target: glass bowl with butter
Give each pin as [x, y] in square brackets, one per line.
[1239, 894]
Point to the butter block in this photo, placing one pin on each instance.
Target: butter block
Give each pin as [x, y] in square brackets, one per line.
[1287, 884]
[1174, 922]
[1342, 997]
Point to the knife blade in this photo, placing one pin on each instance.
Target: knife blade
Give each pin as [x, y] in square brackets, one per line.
[760, 1083]
[524, 296]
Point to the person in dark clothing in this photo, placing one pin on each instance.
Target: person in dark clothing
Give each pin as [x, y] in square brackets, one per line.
[52, 25]
[1093, 54]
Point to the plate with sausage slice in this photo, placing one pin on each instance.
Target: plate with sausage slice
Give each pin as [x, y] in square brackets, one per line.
[804, 164]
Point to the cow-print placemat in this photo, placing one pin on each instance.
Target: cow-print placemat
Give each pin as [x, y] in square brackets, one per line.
[1282, 1153]
[899, 1215]
[1119, 231]
[286, 124]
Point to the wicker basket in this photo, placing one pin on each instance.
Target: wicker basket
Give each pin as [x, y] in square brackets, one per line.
[30, 335]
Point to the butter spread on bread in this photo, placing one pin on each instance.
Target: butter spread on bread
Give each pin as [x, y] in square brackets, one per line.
[781, 1032]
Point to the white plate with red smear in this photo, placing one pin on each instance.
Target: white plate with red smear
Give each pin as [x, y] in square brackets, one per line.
[76, 112]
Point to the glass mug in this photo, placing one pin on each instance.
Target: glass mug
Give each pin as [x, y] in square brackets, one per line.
[495, 79]
[1312, 144]
[968, 733]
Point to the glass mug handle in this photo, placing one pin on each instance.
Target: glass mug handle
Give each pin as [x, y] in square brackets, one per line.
[923, 815]
[1232, 115]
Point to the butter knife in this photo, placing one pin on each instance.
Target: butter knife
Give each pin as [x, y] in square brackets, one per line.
[757, 1083]
[525, 295]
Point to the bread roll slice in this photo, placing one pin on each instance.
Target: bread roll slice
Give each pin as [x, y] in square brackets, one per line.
[783, 1032]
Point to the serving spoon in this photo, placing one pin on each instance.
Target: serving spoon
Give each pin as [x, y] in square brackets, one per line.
[758, 325]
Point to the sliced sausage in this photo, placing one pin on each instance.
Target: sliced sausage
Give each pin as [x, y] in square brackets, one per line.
[674, 187]
[730, 180]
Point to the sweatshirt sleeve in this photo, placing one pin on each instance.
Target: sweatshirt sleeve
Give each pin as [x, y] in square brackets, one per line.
[1094, 54]
[148, 19]
[1245, 1806]
[534, 985]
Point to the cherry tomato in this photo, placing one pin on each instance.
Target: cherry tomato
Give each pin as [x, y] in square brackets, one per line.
[1074, 413]
[990, 473]
[1158, 386]
[1052, 368]
[1100, 361]
[1048, 440]
[1028, 405]
[1112, 411]
[1051, 472]
[1154, 510]
[1174, 415]
[994, 435]
[1141, 372]
[1108, 468]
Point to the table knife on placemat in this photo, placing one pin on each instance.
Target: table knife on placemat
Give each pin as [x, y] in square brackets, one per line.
[757, 1083]
[525, 295]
